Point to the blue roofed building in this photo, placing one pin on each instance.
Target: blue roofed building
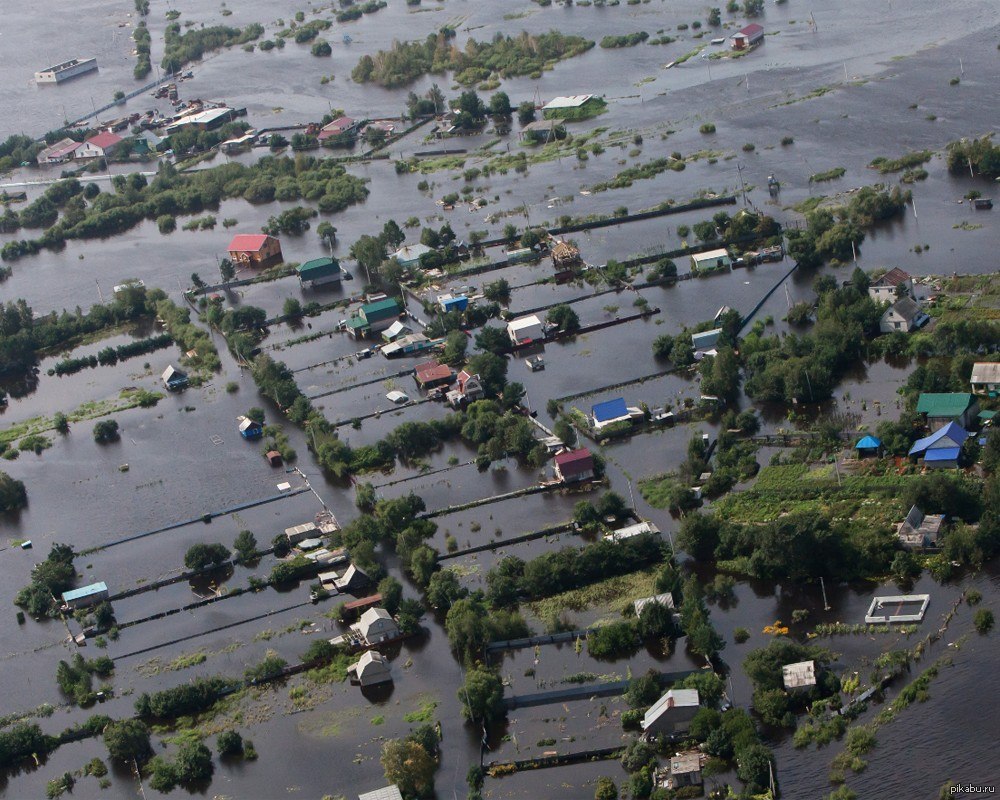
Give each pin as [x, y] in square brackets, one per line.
[453, 302]
[868, 446]
[86, 595]
[609, 413]
[942, 448]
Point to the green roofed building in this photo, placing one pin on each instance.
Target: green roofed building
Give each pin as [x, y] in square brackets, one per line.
[940, 408]
[319, 271]
[374, 317]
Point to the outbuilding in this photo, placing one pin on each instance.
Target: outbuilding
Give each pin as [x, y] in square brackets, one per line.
[525, 330]
[397, 330]
[373, 317]
[386, 793]
[748, 37]
[429, 374]
[985, 377]
[711, 259]
[801, 675]
[250, 428]
[319, 271]
[919, 530]
[609, 413]
[254, 250]
[86, 595]
[868, 447]
[453, 302]
[574, 465]
[174, 379]
[685, 770]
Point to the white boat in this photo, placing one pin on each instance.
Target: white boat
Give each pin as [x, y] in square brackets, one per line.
[720, 40]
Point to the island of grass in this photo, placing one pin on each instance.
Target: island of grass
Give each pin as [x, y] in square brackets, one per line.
[506, 56]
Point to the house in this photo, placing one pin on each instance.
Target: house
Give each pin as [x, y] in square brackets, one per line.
[705, 341]
[610, 412]
[468, 389]
[254, 250]
[297, 533]
[337, 127]
[903, 315]
[888, 287]
[375, 626]
[666, 600]
[685, 770]
[919, 530]
[535, 363]
[453, 302]
[940, 408]
[672, 713]
[273, 458]
[373, 317]
[525, 330]
[565, 255]
[250, 428]
[86, 595]
[429, 374]
[319, 271]
[388, 793]
[985, 377]
[711, 259]
[207, 119]
[801, 675]
[409, 345]
[352, 579]
[395, 331]
[574, 465]
[100, 145]
[868, 447]
[942, 448]
[572, 101]
[748, 37]
[638, 529]
[409, 255]
[371, 668]
[174, 379]
[58, 153]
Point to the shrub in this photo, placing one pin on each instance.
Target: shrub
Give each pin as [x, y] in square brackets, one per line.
[106, 431]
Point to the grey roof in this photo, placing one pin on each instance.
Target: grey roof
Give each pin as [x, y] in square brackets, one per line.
[666, 599]
[986, 372]
[920, 529]
[798, 675]
[683, 763]
[673, 699]
[906, 307]
[386, 793]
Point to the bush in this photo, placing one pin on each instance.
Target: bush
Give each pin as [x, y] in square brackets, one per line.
[613, 641]
[708, 127]
[106, 431]
[201, 556]
[984, 620]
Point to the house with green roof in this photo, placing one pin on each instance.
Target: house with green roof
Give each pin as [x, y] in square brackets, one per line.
[318, 272]
[373, 317]
[940, 408]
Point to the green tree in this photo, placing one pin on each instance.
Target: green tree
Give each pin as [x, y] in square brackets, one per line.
[492, 339]
[605, 789]
[127, 740]
[201, 555]
[481, 695]
[409, 766]
[466, 627]
[229, 743]
[13, 495]
[564, 318]
[444, 589]
[500, 105]
[245, 545]
[753, 765]
[392, 592]
[106, 431]
[526, 112]
[565, 431]
[194, 762]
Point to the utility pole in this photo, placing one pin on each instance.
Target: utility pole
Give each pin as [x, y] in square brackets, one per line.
[822, 585]
[739, 171]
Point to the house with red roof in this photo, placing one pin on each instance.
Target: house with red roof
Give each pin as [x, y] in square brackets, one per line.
[60, 152]
[748, 37]
[429, 374]
[468, 389]
[338, 127]
[254, 250]
[574, 465]
[100, 145]
[886, 288]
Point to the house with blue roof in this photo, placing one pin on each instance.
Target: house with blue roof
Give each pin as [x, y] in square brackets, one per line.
[942, 448]
[609, 413]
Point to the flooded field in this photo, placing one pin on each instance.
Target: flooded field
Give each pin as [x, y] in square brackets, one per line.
[846, 84]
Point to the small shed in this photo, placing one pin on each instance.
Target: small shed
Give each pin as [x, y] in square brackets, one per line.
[352, 579]
[985, 377]
[319, 271]
[86, 595]
[174, 379]
[371, 668]
[297, 533]
[685, 770]
[453, 302]
[608, 413]
[543, 131]
[273, 458]
[395, 331]
[801, 675]
[574, 465]
[564, 254]
[868, 447]
[711, 259]
[666, 600]
[409, 255]
[250, 428]
[629, 531]
[398, 397]
[705, 340]
[919, 530]
[942, 408]
[748, 37]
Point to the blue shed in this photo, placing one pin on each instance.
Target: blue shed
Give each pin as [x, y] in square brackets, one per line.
[458, 302]
[251, 429]
[869, 445]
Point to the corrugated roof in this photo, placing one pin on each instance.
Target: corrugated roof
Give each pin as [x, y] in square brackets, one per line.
[104, 140]
[319, 268]
[380, 308]
[802, 673]
[388, 793]
[248, 242]
[610, 409]
[84, 591]
[944, 404]
[753, 29]
[952, 433]
[571, 101]
[986, 372]
[906, 307]
[672, 699]
[893, 277]
[579, 460]
[942, 454]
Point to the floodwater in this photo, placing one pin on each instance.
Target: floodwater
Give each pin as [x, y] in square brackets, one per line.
[866, 64]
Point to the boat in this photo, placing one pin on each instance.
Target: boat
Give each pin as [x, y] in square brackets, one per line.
[720, 40]
[66, 70]
[982, 204]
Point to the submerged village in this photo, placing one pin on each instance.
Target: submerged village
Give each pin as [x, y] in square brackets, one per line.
[444, 398]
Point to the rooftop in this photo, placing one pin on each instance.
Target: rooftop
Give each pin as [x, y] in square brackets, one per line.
[666, 599]
[387, 793]
[868, 443]
[752, 29]
[683, 763]
[248, 242]
[986, 372]
[84, 591]
[571, 101]
[675, 698]
[104, 139]
[609, 410]
[524, 322]
[950, 434]
[579, 460]
[944, 404]
[893, 277]
[799, 675]
[906, 307]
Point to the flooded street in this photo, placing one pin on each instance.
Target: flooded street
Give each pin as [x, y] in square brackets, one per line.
[847, 84]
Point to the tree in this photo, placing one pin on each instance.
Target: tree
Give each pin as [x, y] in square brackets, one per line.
[481, 695]
[605, 789]
[369, 252]
[699, 536]
[500, 105]
[194, 762]
[126, 740]
[565, 431]
[513, 394]
[227, 270]
[526, 112]
[229, 743]
[753, 765]
[392, 592]
[106, 431]
[12, 493]
[455, 346]
[492, 371]
[327, 233]
[564, 318]
[292, 309]
[753, 8]
[444, 589]
[905, 567]
[714, 17]
[201, 555]
[498, 291]
[465, 625]
[245, 545]
[492, 339]
[409, 766]
[392, 235]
